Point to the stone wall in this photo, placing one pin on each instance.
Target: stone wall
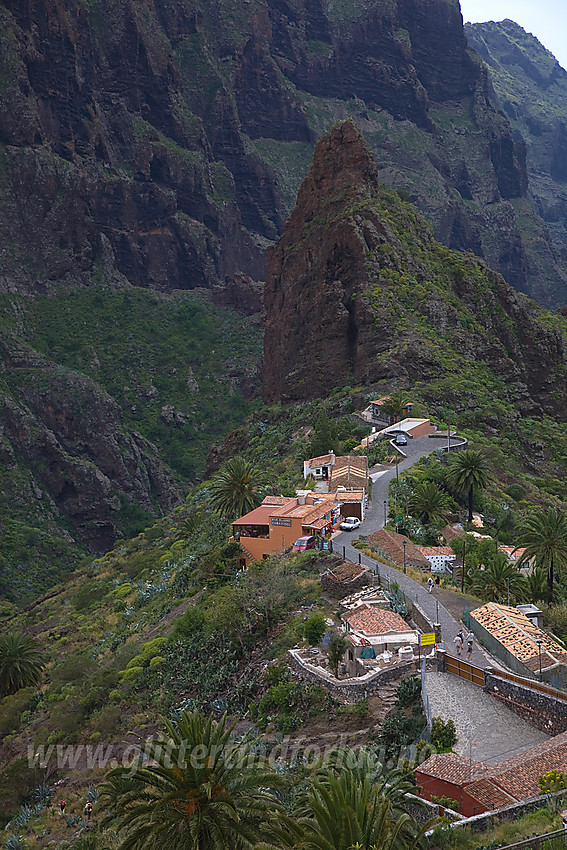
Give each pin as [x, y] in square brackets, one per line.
[541, 710]
[350, 690]
[421, 620]
[341, 589]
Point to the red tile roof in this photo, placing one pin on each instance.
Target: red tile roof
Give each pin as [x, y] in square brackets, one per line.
[518, 776]
[519, 635]
[489, 795]
[437, 550]
[452, 767]
[372, 620]
[323, 460]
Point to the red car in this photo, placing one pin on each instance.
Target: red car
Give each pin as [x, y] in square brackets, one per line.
[303, 543]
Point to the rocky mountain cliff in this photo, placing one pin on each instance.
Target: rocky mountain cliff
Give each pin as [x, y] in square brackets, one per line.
[163, 142]
[358, 291]
[532, 90]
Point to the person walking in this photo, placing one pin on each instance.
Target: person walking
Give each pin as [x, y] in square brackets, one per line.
[458, 641]
[470, 641]
[429, 584]
[88, 810]
[62, 805]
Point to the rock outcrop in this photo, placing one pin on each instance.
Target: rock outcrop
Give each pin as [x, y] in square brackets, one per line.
[87, 467]
[358, 291]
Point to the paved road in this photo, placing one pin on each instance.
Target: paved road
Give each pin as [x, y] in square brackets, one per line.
[486, 728]
[382, 475]
[374, 520]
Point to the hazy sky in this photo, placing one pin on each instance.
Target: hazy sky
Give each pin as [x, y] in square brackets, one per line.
[546, 19]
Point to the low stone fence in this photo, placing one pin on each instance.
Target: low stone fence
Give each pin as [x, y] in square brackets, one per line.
[544, 711]
[349, 690]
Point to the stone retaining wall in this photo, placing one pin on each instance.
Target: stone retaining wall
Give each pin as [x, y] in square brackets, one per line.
[541, 710]
[349, 690]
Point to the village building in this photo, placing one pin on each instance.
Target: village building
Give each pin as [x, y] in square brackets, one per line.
[347, 476]
[441, 558]
[373, 631]
[281, 520]
[513, 632]
[390, 546]
[479, 788]
[376, 412]
[452, 532]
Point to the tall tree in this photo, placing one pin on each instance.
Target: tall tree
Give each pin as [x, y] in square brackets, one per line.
[236, 489]
[394, 406]
[202, 790]
[468, 473]
[21, 663]
[543, 534]
[429, 503]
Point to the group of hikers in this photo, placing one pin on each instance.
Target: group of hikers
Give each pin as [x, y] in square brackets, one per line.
[459, 641]
[87, 811]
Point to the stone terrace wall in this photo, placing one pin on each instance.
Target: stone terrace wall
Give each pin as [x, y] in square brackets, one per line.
[541, 710]
[349, 690]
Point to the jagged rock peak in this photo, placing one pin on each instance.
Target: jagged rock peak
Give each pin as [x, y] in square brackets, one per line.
[343, 166]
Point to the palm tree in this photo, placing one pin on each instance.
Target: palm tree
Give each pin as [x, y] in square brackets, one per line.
[236, 488]
[535, 585]
[352, 802]
[345, 812]
[394, 406]
[202, 790]
[468, 473]
[543, 534]
[429, 503]
[497, 580]
[21, 663]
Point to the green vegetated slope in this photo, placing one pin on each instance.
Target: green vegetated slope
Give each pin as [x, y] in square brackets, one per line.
[532, 89]
[111, 400]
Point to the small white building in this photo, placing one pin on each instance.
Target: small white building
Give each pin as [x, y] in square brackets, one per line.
[440, 557]
[319, 467]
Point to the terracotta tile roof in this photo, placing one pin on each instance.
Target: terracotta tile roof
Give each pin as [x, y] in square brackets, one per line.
[489, 795]
[323, 460]
[518, 776]
[347, 571]
[277, 500]
[437, 550]
[259, 516]
[452, 767]
[392, 545]
[350, 471]
[349, 495]
[372, 620]
[519, 635]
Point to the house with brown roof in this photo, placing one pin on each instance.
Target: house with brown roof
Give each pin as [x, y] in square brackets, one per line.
[480, 788]
[319, 467]
[346, 475]
[280, 521]
[518, 635]
[441, 558]
[371, 630]
[390, 546]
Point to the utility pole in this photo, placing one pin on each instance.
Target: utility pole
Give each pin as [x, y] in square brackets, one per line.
[449, 438]
[463, 570]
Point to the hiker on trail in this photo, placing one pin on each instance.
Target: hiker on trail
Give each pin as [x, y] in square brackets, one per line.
[437, 580]
[458, 641]
[470, 641]
[429, 584]
[62, 805]
[88, 810]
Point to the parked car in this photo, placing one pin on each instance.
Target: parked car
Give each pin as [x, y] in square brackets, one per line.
[349, 524]
[401, 440]
[303, 543]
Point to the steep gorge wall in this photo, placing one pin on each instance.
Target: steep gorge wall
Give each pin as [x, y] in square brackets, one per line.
[161, 143]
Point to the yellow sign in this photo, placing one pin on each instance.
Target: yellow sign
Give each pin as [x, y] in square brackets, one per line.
[427, 640]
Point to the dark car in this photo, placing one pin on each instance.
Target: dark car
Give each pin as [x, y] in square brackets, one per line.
[401, 440]
[303, 543]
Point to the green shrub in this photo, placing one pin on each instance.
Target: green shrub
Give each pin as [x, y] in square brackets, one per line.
[130, 673]
[314, 628]
[409, 690]
[443, 734]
